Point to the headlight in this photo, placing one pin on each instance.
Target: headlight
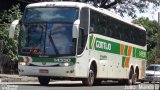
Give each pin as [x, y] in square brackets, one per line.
[66, 64]
[23, 63]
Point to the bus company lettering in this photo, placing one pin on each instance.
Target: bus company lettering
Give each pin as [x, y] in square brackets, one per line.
[142, 54]
[62, 60]
[103, 45]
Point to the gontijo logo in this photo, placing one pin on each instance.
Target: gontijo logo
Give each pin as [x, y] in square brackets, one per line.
[103, 45]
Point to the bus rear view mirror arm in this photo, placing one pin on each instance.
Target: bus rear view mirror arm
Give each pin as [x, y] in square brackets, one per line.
[75, 29]
[12, 28]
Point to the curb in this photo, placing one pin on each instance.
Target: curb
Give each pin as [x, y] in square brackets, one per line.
[16, 78]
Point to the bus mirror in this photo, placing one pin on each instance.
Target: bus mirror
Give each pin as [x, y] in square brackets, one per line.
[75, 30]
[12, 28]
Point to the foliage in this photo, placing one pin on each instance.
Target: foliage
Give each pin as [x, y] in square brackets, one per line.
[151, 55]
[9, 45]
[152, 34]
[128, 7]
[122, 7]
[132, 6]
[150, 26]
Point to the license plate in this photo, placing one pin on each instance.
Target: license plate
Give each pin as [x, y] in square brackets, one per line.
[43, 71]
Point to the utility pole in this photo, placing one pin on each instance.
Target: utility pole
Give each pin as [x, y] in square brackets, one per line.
[157, 58]
[158, 42]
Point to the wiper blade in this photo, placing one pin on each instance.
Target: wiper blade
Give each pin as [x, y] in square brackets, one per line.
[53, 44]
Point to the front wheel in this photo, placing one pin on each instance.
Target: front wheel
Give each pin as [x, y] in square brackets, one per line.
[44, 81]
[90, 80]
[97, 82]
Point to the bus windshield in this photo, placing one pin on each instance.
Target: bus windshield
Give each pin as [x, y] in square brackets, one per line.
[56, 14]
[46, 39]
[48, 32]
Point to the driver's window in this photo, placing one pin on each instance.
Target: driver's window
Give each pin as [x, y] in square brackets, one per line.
[83, 30]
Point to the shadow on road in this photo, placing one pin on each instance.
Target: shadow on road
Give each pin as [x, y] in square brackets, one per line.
[75, 84]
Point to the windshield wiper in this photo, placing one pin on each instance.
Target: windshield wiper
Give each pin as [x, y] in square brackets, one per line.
[53, 44]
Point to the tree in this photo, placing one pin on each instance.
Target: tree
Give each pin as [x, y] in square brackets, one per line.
[122, 7]
[131, 6]
[127, 6]
[9, 45]
[152, 34]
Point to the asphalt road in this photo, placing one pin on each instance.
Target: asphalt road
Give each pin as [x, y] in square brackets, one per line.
[68, 85]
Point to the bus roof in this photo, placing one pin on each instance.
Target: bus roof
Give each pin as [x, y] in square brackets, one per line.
[80, 5]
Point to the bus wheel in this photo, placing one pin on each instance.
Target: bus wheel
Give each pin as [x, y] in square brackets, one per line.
[97, 82]
[90, 80]
[44, 81]
[135, 78]
[122, 82]
[142, 81]
[132, 77]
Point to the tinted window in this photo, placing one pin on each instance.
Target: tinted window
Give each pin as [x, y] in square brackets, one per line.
[152, 68]
[83, 31]
[111, 27]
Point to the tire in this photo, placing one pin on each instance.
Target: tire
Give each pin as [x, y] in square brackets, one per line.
[97, 82]
[135, 78]
[44, 81]
[132, 77]
[122, 82]
[142, 81]
[90, 80]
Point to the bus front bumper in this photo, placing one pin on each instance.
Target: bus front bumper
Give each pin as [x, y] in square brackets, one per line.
[46, 71]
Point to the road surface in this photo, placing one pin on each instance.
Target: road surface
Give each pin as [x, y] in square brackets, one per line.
[76, 85]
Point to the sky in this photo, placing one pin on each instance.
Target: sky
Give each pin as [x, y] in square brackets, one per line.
[151, 13]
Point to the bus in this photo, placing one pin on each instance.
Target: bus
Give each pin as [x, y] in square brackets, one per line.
[77, 41]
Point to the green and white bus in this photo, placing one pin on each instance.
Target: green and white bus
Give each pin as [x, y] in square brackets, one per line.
[76, 41]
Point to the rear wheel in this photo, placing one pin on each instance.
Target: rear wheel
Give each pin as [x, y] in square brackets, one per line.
[132, 78]
[44, 81]
[135, 79]
[90, 80]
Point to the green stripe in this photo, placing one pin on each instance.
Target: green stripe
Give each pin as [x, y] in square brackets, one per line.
[20, 59]
[123, 61]
[113, 47]
[90, 40]
[134, 52]
[126, 50]
[140, 53]
[54, 60]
